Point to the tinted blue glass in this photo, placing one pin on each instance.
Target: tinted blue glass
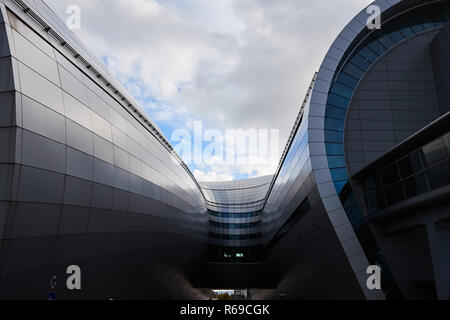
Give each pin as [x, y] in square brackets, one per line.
[396, 35]
[338, 101]
[403, 26]
[406, 31]
[334, 148]
[341, 90]
[360, 61]
[348, 80]
[234, 225]
[234, 236]
[386, 41]
[336, 161]
[339, 185]
[333, 136]
[368, 54]
[336, 113]
[234, 215]
[334, 124]
[339, 174]
[376, 46]
[417, 28]
[354, 70]
[355, 215]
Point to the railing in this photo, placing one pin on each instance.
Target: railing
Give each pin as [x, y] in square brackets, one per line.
[421, 171]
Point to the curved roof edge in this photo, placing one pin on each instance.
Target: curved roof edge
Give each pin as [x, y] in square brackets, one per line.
[56, 28]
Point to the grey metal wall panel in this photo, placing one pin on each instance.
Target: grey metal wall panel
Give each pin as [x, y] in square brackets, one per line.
[380, 114]
[440, 52]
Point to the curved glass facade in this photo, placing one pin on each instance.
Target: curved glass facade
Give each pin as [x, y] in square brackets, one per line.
[358, 58]
[234, 209]
[82, 164]
[357, 62]
[421, 171]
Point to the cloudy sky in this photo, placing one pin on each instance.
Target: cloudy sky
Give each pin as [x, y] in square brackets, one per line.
[233, 64]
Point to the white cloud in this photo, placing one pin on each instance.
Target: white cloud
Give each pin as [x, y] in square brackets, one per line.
[211, 176]
[231, 63]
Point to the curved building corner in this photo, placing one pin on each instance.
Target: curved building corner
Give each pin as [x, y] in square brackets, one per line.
[87, 178]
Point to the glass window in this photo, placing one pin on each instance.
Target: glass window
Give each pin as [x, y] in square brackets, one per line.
[333, 136]
[375, 202]
[415, 185]
[341, 90]
[334, 148]
[434, 152]
[438, 176]
[372, 184]
[339, 185]
[402, 25]
[386, 41]
[360, 61]
[376, 46]
[338, 101]
[334, 124]
[394, 194]
[447, 143]
[336, 161]
[339, 174]
[410, 165]
[353, 70]
[336, 113]
[347, 80]
[368, 54]
[396, 35]
[389, 175]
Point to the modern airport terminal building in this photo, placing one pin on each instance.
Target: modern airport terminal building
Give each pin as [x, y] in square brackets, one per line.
[88, 179]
